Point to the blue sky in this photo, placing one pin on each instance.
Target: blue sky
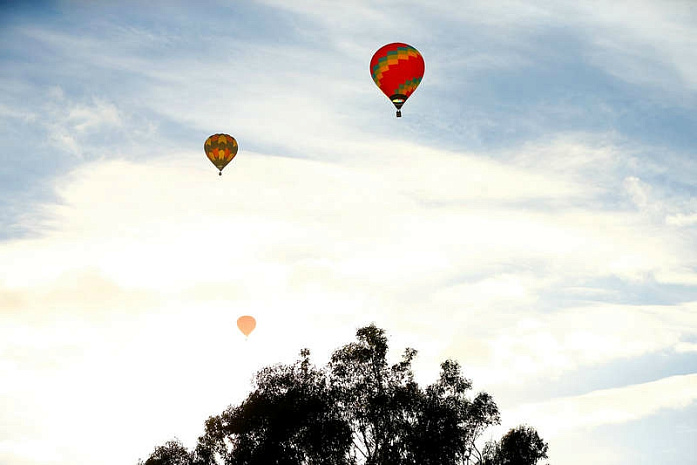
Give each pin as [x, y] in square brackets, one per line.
[531, 215]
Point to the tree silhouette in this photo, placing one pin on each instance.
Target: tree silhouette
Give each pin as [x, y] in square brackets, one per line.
[520, 446]
[289, 419]
[171, 453]
[358, 410]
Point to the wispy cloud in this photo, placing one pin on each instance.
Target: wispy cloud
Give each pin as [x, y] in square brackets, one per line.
[682, 219]
[609, 406]
[349, 231]
[524, 346]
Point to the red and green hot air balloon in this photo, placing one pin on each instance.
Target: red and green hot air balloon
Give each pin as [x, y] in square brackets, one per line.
[220, 150]
[397, 70]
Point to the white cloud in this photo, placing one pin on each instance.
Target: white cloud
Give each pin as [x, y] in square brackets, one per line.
[159, 271]
[607, 406]
[681, 219]
[638, 191]
[21, 114]
[647, 42]
[453, 213]
[683, 347]
[28, 452]
[679, 276]
[90, 117]
[644, 42]
[519, 346]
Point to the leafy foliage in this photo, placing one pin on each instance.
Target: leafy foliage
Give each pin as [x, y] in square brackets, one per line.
[358, 410]
[289, 419]
[520, 446]
[171, 453]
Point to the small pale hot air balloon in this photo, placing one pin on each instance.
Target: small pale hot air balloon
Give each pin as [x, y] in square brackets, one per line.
[220, 150]
[397, 70]
[246, 324]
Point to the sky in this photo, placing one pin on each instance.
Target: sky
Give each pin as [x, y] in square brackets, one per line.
[532, 215]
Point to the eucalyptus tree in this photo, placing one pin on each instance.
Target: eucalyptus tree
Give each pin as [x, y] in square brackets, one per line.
[357, 410]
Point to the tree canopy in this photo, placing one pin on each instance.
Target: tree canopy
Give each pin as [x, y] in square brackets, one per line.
[357, 410]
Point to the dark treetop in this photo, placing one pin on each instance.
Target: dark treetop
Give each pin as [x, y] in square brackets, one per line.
[357, 410]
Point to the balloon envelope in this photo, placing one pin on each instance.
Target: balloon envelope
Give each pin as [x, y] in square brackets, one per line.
[220, 150]
[246, 324]
[397, 70]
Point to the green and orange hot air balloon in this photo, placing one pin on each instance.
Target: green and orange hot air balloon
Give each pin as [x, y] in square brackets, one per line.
[220, 150]
[397, 69]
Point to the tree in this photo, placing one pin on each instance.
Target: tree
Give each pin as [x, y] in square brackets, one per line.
[358, 410]
[289, 419]
[171, 453]
[519, 446]
[396, 422]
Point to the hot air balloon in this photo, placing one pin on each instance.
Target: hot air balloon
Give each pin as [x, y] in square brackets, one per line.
[246, 324]
[220, 150]
[397, 70]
